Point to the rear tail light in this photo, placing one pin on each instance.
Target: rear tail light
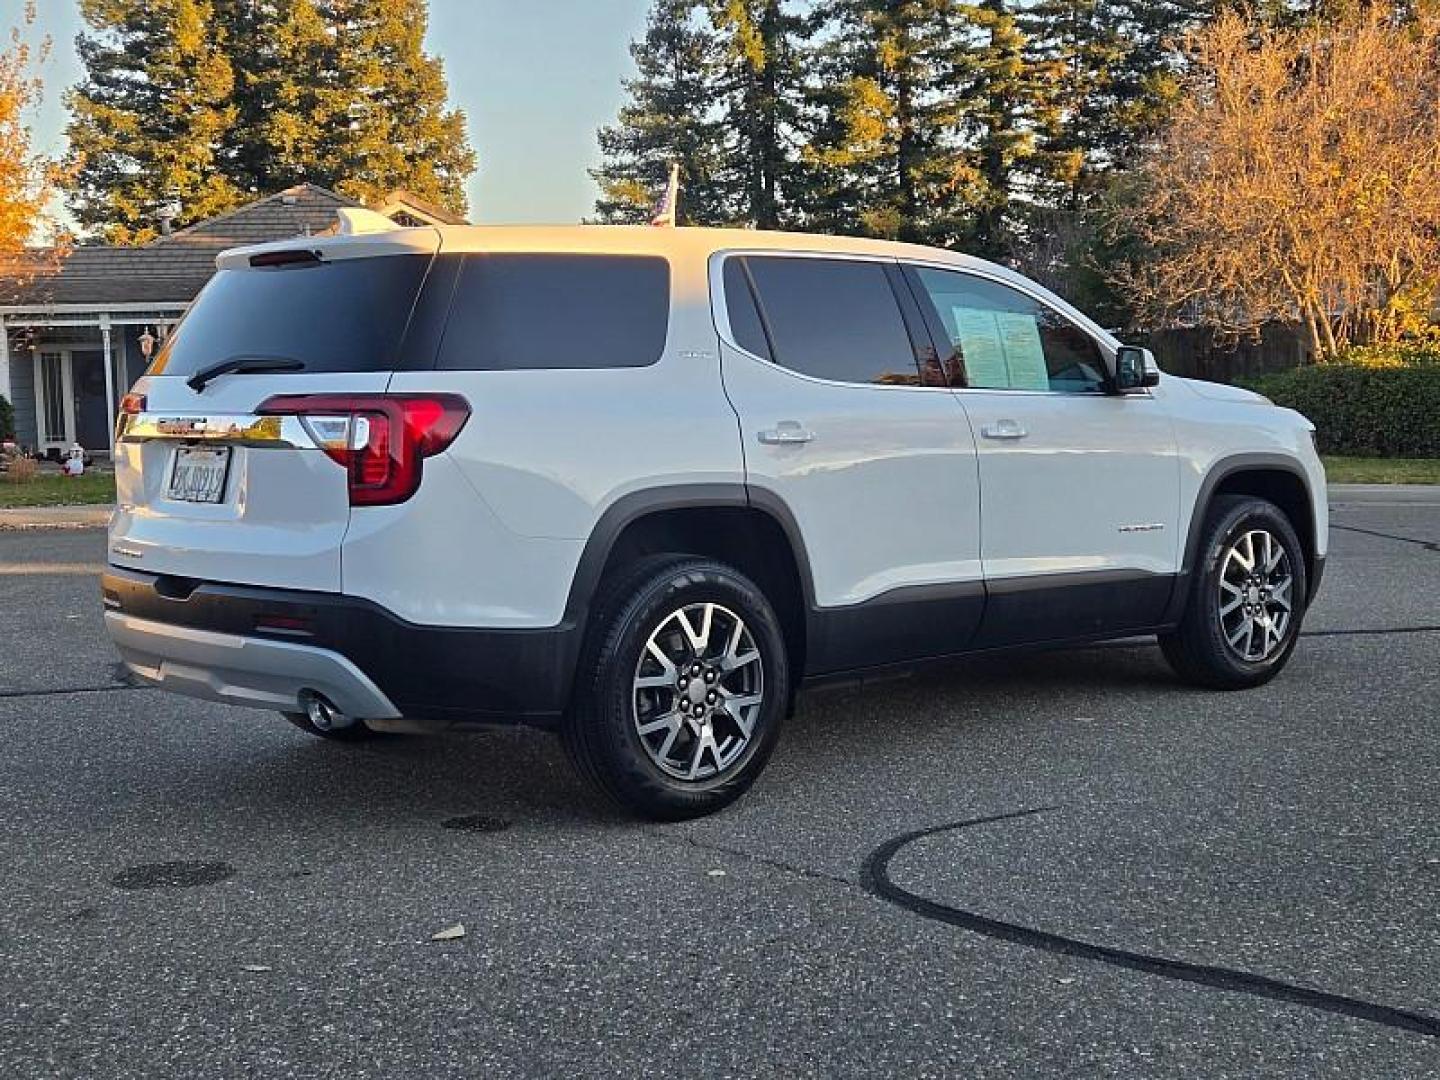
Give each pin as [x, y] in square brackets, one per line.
[380, 439]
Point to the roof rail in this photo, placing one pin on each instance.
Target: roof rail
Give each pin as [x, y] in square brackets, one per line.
[357, 221]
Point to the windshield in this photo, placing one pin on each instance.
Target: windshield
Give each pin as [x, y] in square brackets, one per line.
[347, 315]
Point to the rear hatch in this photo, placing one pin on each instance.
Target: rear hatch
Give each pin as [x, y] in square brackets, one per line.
[208, 488]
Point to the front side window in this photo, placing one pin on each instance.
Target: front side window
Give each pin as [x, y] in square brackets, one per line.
[1005, 340]
[835, 319]
[525, 312]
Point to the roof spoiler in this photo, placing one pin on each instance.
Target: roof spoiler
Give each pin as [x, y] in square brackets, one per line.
[356, 221]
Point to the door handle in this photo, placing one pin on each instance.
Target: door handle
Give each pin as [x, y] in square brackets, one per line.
[786, 433]
[1003, 429]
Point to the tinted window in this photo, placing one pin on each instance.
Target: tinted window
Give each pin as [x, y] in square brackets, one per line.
[514, 312]
[834, 319]
[1007, 341]
[740, 306]
[347, 315]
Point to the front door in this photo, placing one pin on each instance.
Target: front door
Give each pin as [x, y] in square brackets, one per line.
[92, 408]
[1079, 488]
[842, 434]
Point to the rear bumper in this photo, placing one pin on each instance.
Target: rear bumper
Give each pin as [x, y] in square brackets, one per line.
[254, 646]
[243, 670]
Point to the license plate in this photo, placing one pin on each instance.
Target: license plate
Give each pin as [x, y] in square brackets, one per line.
[198, 474]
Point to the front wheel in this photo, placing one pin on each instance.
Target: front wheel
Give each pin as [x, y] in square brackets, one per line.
[1247, 598]
[681, 690]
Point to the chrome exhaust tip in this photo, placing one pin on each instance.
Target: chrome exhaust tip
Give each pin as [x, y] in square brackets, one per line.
[323, 714]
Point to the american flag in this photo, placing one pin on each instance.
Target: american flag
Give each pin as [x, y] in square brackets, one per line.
[665, 209]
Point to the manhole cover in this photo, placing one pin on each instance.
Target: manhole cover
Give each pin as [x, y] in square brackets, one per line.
[172, 875]
[477, 823]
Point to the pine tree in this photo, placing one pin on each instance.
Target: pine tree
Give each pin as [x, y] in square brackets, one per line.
[205, 103]
[1007, 102]
[670, 117]
[150, 117]
[761, 92]
[883, 152]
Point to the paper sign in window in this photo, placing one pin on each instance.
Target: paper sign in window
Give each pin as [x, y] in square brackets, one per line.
[1024, 352]
[981, 348]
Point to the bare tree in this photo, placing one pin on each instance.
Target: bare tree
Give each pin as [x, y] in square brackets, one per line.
[1299, 180]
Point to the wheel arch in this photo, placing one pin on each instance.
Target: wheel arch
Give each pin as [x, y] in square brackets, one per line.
[748, 529]
[1273, 477]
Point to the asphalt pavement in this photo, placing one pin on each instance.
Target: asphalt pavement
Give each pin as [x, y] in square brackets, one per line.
[1125, 878]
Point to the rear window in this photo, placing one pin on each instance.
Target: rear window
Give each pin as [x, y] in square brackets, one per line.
[522, 312]
[346, 315]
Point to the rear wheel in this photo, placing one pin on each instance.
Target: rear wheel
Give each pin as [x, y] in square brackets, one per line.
[1247, 598]
[682, 688]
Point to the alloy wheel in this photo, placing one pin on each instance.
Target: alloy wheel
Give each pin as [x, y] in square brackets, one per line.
[1256, 595]
[698, 691]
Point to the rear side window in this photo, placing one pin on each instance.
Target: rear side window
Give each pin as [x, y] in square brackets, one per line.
[523, 312]
[835, 319]
[346, 315]
[745, 322]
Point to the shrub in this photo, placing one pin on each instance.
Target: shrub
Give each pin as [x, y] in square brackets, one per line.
[1366, 411]
[1400, 354]
[7, 419]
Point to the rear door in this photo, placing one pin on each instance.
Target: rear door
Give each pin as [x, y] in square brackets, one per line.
[853, 436]
[206, 488]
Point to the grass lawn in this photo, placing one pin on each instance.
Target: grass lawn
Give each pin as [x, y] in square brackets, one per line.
[1360, 470]
[49, 489]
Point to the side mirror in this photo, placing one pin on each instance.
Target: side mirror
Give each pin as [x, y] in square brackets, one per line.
[1135, 369]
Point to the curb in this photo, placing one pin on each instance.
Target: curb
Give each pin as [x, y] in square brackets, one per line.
[56, 517]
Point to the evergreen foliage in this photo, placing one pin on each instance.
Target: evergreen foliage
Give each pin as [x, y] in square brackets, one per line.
[204, 104]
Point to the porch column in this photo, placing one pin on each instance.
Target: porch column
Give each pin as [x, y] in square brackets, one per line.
[5, 361]
[109, 380]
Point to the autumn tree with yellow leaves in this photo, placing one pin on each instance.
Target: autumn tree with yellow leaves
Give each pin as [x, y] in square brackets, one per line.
[27, 178]
[1299, 180]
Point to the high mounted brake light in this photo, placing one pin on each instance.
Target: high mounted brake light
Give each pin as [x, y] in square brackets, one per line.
[381, 440]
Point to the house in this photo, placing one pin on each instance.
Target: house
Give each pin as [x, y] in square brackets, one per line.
[75, 334]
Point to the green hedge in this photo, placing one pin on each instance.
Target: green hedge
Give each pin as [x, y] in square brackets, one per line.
[1364, 411]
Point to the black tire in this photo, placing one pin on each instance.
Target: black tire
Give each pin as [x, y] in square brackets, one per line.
[600, 731]
[1198, 649]
[356, 732]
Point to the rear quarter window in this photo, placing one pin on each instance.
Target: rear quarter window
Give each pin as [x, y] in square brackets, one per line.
[346, 315]
[517, 312]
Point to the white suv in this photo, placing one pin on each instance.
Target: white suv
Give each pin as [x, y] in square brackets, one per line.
[639, 485]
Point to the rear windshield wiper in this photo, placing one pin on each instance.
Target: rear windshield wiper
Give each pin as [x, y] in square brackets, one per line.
[242, 364]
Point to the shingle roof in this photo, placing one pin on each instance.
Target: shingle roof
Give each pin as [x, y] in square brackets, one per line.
[170, 268]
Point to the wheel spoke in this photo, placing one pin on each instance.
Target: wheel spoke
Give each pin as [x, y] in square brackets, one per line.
[1231, 587]
[1246, 558]
[655, 682]
[736, 705]
[1245, 624]
[671, 719]
[699, 639]
[1273, 554]
[663, 754]
[657, 653]
[1232, 605]
[701, 744]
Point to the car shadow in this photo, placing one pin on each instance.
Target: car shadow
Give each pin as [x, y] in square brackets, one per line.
[522, 775]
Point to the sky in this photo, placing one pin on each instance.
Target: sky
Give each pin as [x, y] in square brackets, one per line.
[535, 78]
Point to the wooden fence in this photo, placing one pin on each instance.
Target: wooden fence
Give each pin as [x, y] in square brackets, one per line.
[1199, 353]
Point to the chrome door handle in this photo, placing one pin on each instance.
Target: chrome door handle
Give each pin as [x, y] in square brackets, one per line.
[1003, 429]
[786, 433]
